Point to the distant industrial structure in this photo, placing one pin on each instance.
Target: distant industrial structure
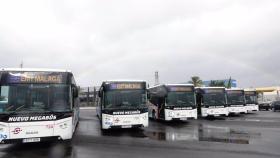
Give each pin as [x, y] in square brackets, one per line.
[156, 78]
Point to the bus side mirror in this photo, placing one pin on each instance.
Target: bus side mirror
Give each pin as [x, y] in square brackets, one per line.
[148, 96]
[75, 92]
[99, 94]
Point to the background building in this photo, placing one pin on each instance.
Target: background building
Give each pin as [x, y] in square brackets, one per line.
[268, 94]
[233, 82]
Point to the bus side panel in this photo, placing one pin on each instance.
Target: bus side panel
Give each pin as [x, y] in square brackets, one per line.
[76, 112]
[76, 115]
[64, 128]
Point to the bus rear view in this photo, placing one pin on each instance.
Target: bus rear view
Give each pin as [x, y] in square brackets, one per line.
[37, 105]
[211, 101]
[122, 104]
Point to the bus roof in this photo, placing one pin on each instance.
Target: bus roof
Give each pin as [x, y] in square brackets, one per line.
[34, 70]
[250, 90]
[181, 84]
[209, 87]
[235, 89]
[112, 81]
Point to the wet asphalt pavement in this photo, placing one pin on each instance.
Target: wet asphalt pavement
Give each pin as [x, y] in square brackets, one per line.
[255, 135]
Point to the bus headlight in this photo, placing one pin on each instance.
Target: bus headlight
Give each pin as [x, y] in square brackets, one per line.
[144, 117]
[108, 119]
[170, 113]
[63, 125]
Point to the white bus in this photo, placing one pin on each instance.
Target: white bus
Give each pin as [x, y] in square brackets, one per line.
[251, 100]
[211, 101]
[172, 102]
[122, 104]
[37, 105]
[236, 101]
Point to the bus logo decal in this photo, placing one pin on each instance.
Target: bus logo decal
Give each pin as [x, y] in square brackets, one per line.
[32, 118]
[17, 130]
[3, 136]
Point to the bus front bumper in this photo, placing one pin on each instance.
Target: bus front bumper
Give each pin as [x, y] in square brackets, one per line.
[26, 132]
[125, 121]
[214, 111]
[31, 140]
[180, 114]
[252, 107]
[237, 109]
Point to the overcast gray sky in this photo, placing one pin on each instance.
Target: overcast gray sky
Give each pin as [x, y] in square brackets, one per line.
[119, 39]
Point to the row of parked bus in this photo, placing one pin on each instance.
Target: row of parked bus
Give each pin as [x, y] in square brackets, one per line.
[130, 104]
[43, 104]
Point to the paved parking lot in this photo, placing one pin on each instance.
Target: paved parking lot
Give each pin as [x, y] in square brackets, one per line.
[252, 135]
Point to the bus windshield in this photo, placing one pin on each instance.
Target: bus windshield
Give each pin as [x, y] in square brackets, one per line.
[214, 99]
[180, 99]
[125, 99]
[21, 98]
[235, 98]
[251, 99]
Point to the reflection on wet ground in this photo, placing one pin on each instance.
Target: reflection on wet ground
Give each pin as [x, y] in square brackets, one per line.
[183, 131]
[225, 134]
[212, 118]
[45, 149]
[137, 133]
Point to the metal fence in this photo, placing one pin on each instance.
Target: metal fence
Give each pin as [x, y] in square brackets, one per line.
[87, 96]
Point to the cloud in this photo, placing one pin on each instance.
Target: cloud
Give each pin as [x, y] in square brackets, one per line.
[101, 40]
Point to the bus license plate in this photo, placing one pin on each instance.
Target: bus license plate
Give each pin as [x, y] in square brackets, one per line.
[30, 140]
[126, 126]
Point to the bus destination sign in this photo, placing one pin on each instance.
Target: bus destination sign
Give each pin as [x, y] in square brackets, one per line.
[180, 89]
[126, 86]
[214, 90]
[250, 92]
[235, 92]
[28, 77]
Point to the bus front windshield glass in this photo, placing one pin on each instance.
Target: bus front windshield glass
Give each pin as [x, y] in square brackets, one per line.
[180, 99]
[125, 99]
[21, 98]
[214, 99]
[235, 98]
[251, 99]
